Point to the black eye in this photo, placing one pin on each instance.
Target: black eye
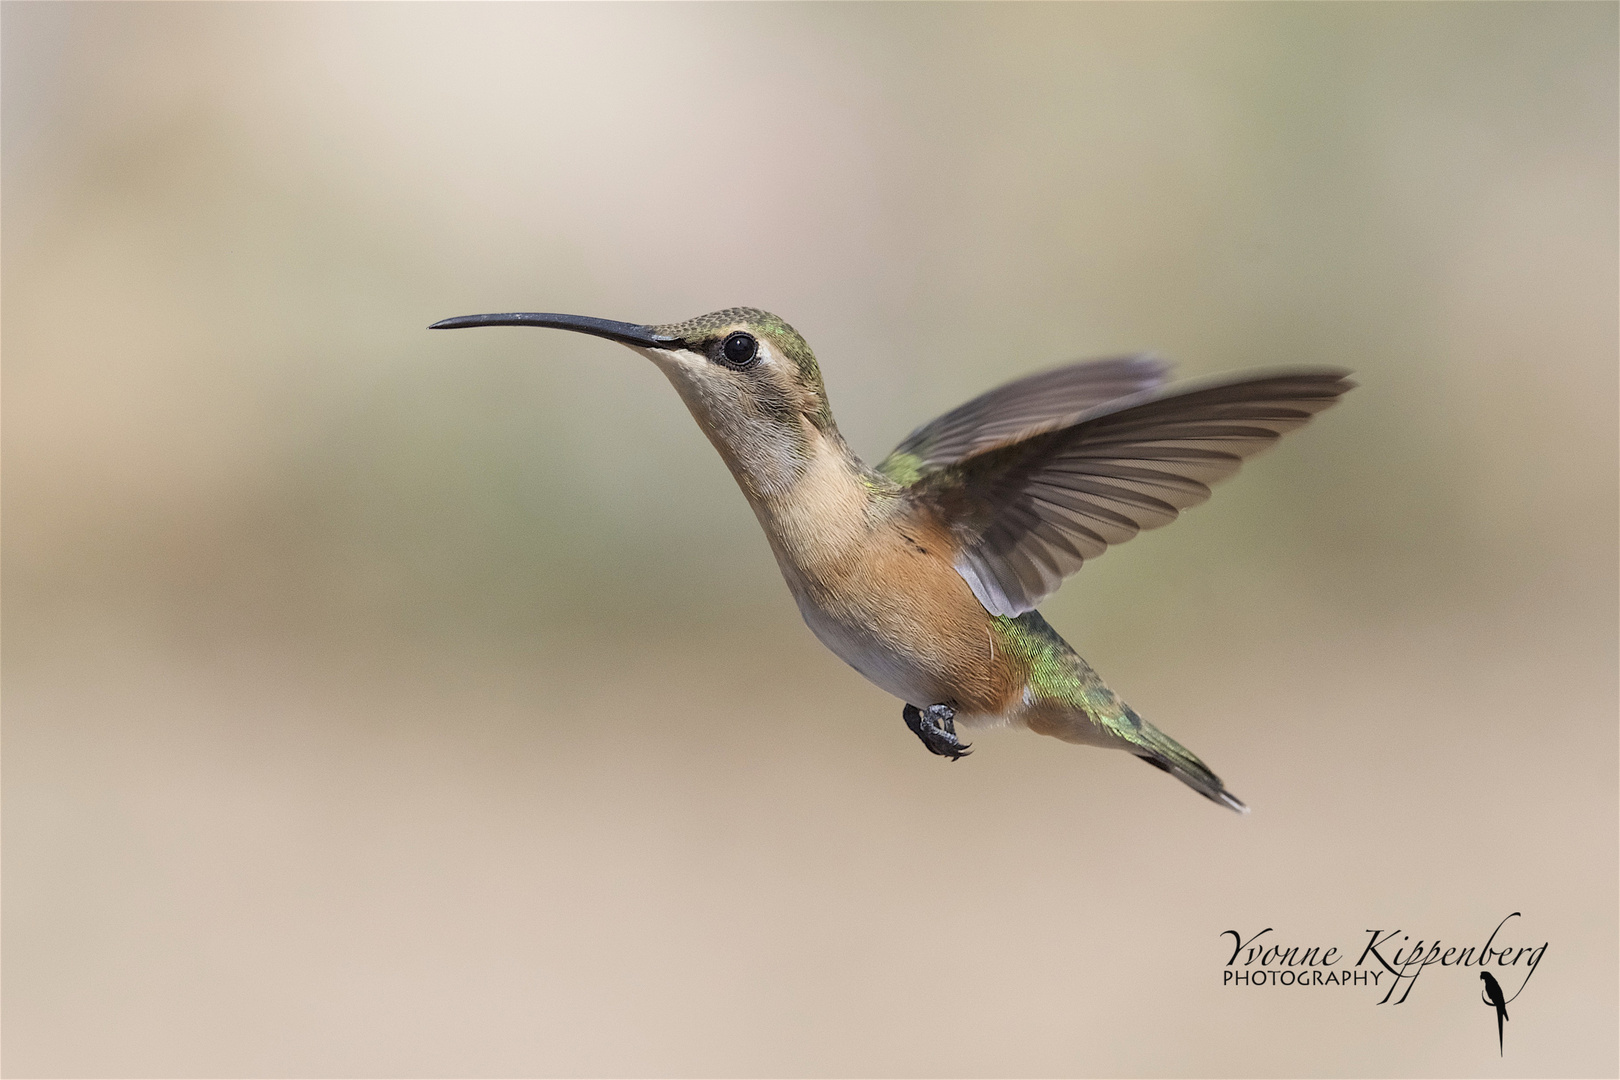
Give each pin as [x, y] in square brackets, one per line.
[739, 349]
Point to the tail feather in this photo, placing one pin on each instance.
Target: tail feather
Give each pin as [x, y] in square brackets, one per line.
[1162, 752]
[1066, 699]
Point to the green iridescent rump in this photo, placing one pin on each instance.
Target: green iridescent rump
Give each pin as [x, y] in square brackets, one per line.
[1056, 673]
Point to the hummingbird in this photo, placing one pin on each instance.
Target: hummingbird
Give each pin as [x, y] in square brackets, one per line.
[923, 573]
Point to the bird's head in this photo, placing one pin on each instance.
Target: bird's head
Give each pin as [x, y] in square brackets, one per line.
[748, 378]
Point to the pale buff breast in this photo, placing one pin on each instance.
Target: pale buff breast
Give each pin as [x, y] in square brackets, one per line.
[875, 583]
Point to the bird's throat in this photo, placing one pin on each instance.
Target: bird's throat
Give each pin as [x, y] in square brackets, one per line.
[825, 514]
[816, 501]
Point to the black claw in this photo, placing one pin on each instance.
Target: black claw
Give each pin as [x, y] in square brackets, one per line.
[936, 727]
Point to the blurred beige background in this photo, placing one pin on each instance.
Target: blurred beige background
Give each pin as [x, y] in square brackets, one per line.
[380, 702]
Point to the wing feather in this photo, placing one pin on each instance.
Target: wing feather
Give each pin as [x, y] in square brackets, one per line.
[1029, 509]
[1019, 409]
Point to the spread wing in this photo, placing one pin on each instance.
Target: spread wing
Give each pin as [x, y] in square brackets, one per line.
[1026, 513]
[1024, 407]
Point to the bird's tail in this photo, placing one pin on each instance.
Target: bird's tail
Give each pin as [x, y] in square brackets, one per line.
[1162, 752]
[1066, 699]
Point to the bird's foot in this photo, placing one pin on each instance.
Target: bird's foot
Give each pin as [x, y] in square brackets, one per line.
[936, 727]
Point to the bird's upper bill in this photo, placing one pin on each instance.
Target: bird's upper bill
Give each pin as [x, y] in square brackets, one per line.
[647, 337]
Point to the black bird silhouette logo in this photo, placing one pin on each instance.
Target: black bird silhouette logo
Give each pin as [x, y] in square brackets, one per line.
[1492, 995]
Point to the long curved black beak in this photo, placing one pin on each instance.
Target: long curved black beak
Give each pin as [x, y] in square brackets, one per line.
[628, 333]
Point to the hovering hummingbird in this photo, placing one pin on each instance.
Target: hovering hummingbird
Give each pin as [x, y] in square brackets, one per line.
[923, 573]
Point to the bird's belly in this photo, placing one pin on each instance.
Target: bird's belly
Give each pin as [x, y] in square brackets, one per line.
[913, 627]
[893, 669]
